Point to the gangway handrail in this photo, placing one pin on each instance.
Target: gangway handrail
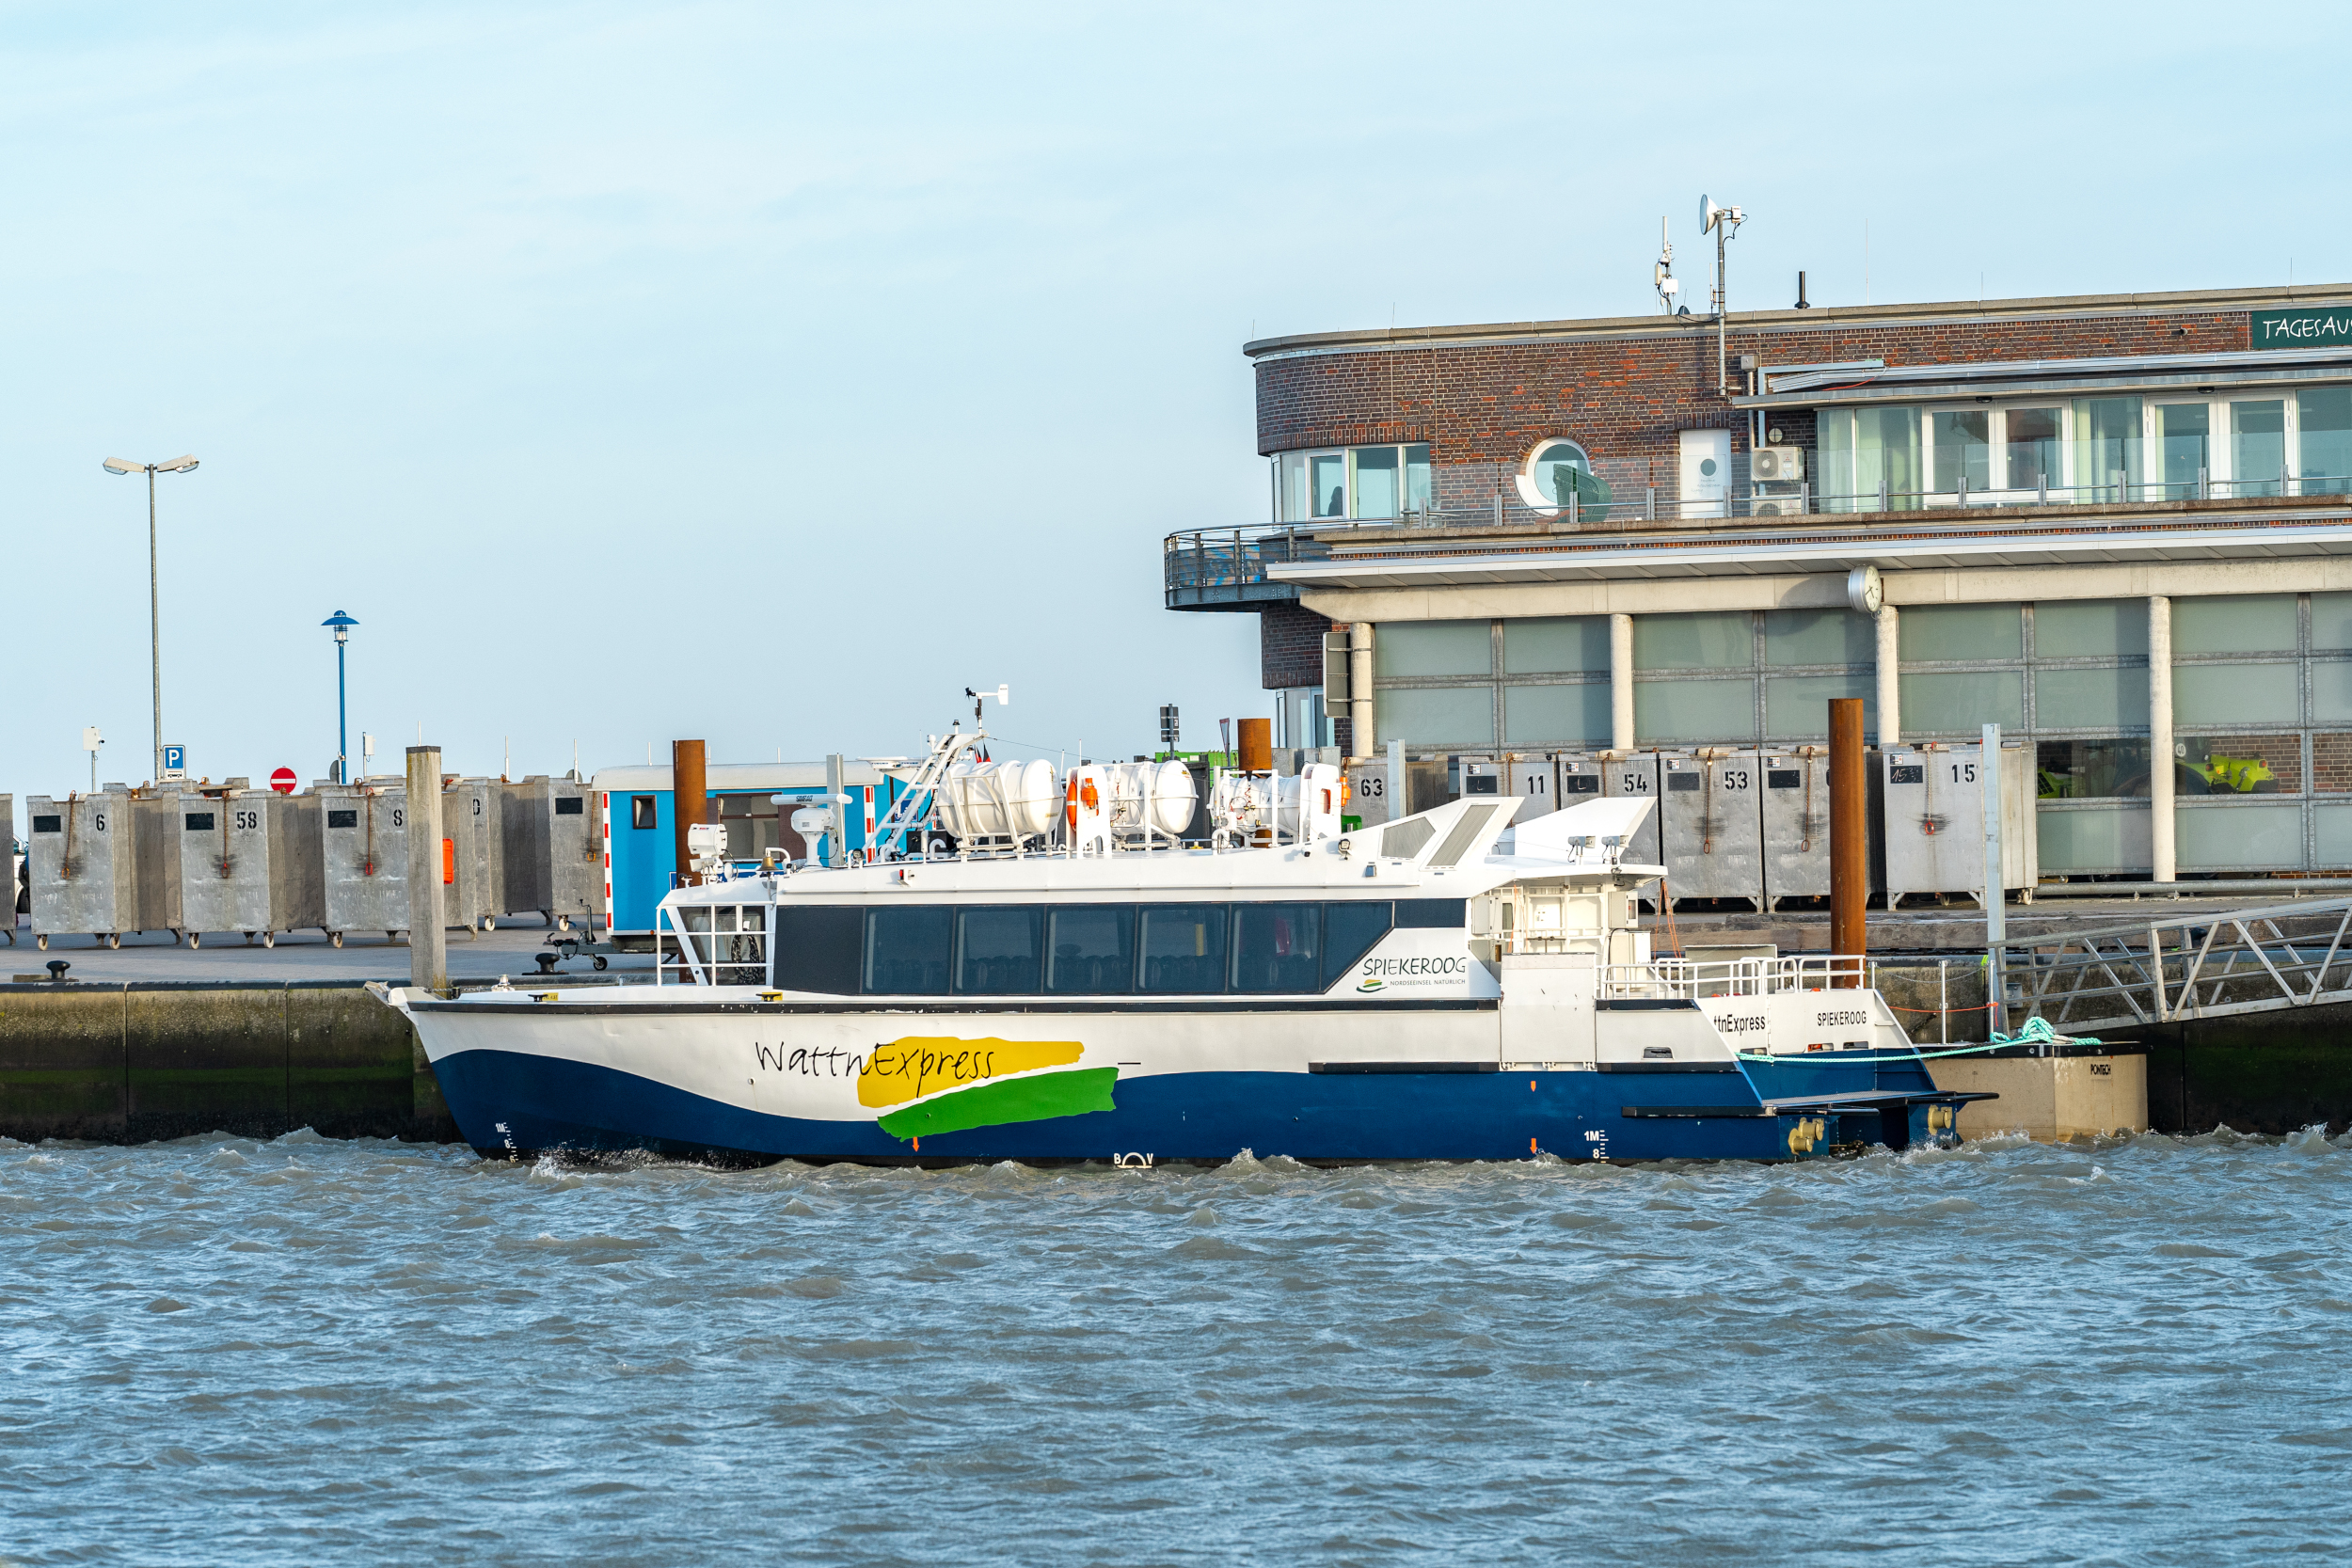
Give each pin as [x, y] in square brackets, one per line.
[2221, 962]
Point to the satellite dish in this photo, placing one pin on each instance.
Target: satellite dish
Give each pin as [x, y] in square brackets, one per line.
[1707, 213]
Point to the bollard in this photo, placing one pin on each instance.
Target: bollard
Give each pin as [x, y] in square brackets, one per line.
[428, 941]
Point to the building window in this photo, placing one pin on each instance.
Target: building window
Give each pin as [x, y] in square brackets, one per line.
[1368, 484]
[1557, 469]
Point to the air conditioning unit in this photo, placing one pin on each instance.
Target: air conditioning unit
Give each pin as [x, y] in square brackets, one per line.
[1777, 506]
[1778, 464]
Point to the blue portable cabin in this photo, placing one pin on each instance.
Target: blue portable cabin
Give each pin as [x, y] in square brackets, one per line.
[639, 810]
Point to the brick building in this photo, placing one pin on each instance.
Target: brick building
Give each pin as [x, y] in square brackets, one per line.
[2116, 525]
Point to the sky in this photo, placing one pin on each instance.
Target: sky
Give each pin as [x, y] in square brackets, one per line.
[770, 374]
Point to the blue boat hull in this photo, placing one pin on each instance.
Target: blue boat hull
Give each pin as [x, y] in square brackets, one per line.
[518, 1104]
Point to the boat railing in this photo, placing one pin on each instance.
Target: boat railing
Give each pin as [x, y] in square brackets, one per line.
[1690, 979]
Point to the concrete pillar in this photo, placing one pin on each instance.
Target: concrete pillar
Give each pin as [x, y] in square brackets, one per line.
[1890, 678]
[428, 940]
[1621, 683]
[2160, 775]
[1360, 741]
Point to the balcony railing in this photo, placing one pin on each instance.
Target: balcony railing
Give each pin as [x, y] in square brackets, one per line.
[1229, 565]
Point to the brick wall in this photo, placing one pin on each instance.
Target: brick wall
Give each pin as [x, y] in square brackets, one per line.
[1290, 645]
[2331, 763]
[1482, 408]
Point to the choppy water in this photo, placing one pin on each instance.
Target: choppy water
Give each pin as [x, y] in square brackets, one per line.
[218, 1350]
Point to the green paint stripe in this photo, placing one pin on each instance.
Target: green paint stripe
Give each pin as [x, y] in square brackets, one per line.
[1040, 1098]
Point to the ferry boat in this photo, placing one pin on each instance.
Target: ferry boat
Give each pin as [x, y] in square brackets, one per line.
[1073, 984]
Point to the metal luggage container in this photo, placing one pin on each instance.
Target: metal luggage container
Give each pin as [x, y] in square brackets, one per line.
[1713, 827]
[472, 819]
[297, 864]
[1478, 778]
[1934, 818]
[8, 830]
[553, 852]
[1633, 773]
[1796, 823]
[85, 869]
[363, 853]
[1537, 782]
[1578, 778]
[155, 844]
[224, 846]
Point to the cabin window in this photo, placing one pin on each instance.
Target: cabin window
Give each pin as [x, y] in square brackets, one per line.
[996, 951]
[1277, 947]
[1092, 951]
[906, 950]
[1351, 931]
[1431, 913]
[817, 948]
[642, 812]
[1184, 948]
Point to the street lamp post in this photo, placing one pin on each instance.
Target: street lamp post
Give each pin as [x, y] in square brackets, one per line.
[154, 596]
[342, 624]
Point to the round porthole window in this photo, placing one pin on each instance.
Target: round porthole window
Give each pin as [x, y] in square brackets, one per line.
[1706, 467]
[1557, 468]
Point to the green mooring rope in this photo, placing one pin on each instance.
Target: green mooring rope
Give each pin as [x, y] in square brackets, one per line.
[2036, 1032]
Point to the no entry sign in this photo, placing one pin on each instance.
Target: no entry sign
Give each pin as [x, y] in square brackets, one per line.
[282, 781]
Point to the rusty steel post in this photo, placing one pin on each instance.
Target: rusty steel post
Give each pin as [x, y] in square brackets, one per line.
[1849, 832]
[689, 797]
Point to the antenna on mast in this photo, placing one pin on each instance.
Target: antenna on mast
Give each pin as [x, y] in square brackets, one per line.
[1662, 276]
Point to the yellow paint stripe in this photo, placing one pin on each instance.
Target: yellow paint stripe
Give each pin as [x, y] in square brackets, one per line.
[918, 1064]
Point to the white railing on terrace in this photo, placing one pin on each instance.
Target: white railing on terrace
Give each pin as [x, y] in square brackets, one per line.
[1688, 979]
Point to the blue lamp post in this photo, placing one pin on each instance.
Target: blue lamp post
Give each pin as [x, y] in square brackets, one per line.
[342, 624]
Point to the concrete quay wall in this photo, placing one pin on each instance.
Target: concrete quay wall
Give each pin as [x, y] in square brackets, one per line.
[131, 1063]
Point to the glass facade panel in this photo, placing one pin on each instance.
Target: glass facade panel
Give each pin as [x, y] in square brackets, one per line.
[1326, 485]
[1886, 448]
[1091, 951]
[1184, 948]
[1945, 701]
[2236, 694]
[1716, 639]
[2183, 447]
[2258, 449]
[1556, 645]
[2331, 690]
[1796, 707]
[2231, 837]
[1666, 712]
[2332, 621]
[1277, 947]
[1555, 470]
[2268, 764]
[1833, 436]
[1436, 716]
[2033, 447]
[2087, 769]
[2090, 628]
[2113, 839]
[1931, 634]
[1962, 447]
[2234, 624]
[1819, 637]
[2106, 448]
[1568, 715]
[2324, 440]
[2091, 699]
[1417, 479]
[2331, 838]
[1379, 489]
[1412, 649]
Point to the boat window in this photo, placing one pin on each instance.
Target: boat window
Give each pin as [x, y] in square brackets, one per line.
[1426, 913]
[1092, 951]
[1350, 931]
[1184, 948]
[996, 951]
[906, 951]
[1276, 946]
[817, 948]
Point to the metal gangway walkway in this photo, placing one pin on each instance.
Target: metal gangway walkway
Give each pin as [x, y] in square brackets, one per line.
[2211, 964]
